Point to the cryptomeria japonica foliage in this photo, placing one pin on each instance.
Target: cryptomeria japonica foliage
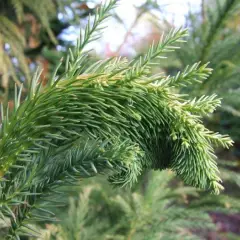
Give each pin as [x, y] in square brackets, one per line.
[112, 118]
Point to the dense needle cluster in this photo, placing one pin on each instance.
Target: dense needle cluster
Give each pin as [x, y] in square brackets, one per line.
[112, 118]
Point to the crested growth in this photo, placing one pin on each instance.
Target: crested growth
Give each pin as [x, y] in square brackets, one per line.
[112, 118]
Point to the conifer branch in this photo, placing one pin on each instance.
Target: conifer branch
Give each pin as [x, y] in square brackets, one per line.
[204, 105]
[92, 32]
[140, 67]
[36, 185]
[195, 73]
[103, 122]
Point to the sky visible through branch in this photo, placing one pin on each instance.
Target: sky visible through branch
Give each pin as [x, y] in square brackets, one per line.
[174, 11]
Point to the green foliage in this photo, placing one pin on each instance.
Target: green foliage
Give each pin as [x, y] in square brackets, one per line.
[112, 118]
[160, 212]
[12, 13]
[212, 40]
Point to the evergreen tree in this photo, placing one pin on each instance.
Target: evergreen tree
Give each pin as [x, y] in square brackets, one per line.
[112, 118]
[159, 213]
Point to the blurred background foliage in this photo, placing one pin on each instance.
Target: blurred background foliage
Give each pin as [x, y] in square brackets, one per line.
[38, 33]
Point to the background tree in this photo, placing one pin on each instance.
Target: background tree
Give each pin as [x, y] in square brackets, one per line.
[30, 32]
